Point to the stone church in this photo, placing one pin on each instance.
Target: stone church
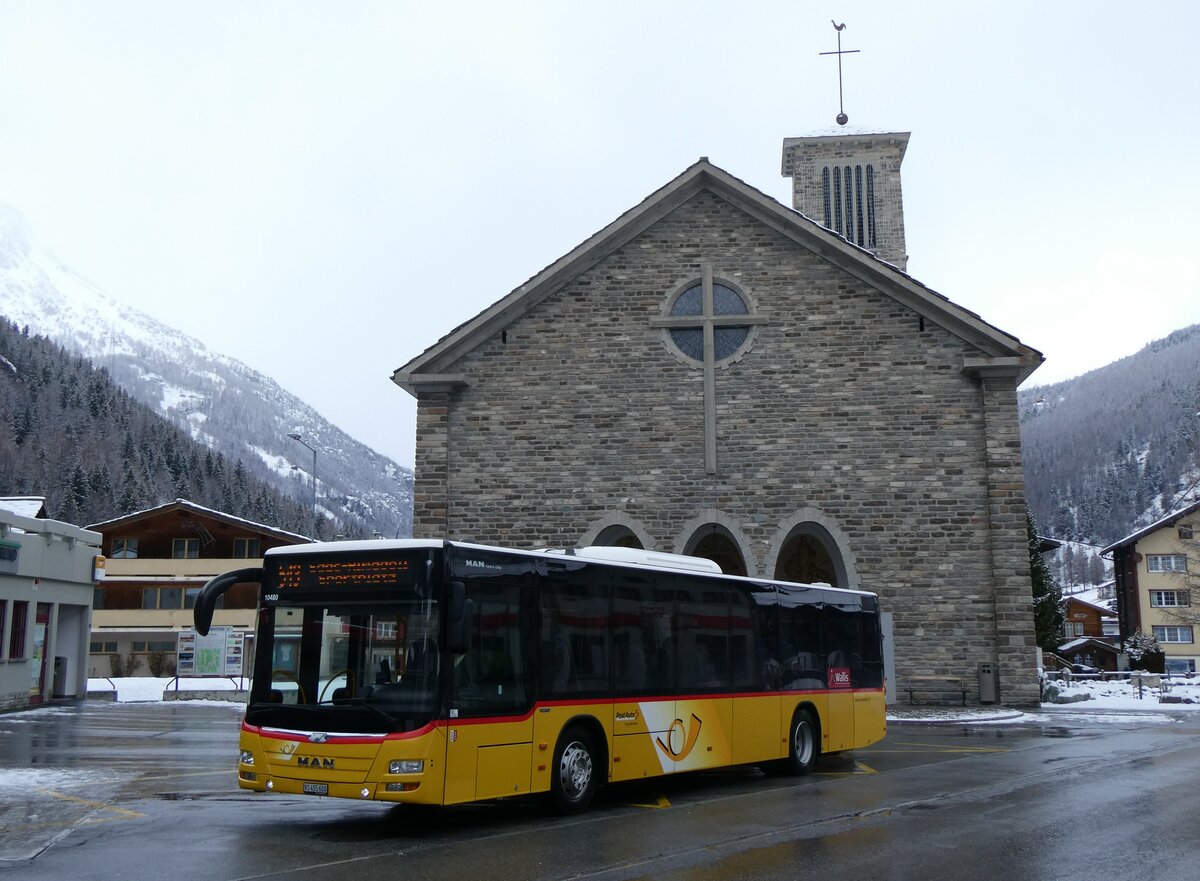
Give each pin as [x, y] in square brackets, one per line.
[716, 374]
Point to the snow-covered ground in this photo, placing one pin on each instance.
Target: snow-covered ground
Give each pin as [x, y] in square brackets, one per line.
[1084, 701]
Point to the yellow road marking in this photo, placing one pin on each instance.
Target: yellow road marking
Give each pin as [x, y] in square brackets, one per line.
[101, 806]
[661, 803]
[859, 768]
[230, 771]
[941, 748]
[87, 821]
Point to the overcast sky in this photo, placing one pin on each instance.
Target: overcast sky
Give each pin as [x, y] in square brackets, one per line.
[324, 190]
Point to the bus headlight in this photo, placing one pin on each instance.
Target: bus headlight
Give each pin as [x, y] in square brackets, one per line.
[406, 766]
[247, 757]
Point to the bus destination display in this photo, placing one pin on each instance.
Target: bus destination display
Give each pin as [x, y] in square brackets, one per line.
[326, 573]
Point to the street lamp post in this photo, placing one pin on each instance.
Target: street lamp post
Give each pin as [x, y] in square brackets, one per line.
[296, 437]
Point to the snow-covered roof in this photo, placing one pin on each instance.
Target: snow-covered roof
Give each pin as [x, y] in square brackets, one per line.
[1089, 641]
[1153, 527]
[1104, 611]
[26, 506]
[184, 504]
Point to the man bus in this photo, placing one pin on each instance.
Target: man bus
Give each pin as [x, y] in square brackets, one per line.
[439, 672]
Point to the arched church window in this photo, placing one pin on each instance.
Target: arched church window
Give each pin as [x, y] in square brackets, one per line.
[806, 559]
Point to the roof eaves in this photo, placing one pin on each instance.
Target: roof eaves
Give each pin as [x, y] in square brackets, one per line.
[997, 346]
[543, 284]
[1167, 520]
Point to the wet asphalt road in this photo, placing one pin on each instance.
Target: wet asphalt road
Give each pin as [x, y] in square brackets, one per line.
[121, 791]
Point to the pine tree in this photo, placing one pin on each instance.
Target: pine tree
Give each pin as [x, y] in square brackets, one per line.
[1047, 596]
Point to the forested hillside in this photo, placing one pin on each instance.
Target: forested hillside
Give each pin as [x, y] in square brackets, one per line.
[70, 434]
[225, 404]
[1115, 449]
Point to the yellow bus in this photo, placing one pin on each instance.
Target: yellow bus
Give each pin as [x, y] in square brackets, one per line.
[439, 672]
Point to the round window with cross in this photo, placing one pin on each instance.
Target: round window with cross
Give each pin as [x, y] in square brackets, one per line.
[709, 322]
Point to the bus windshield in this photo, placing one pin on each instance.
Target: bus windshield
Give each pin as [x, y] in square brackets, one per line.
[375, 661]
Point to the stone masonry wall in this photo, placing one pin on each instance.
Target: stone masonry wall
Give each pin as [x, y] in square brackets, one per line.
[843, 405]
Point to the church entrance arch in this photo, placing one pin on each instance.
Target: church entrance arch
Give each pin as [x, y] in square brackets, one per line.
[618, 536]
[810, 554]
[714, 542]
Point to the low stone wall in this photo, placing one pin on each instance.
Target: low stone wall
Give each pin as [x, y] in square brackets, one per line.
[16, 701]
[239, 697]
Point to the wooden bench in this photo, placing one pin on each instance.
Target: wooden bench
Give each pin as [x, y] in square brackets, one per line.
[924, 683]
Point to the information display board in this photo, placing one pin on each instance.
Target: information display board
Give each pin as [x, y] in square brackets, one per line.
[219, 653]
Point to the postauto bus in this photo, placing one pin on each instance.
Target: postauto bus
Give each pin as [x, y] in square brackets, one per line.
[439, 672]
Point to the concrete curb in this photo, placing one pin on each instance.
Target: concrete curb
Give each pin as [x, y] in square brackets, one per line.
[1002, 715]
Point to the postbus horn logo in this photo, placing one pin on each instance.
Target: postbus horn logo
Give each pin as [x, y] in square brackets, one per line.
[677, 733]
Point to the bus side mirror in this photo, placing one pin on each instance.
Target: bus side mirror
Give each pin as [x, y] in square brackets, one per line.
[458, 618]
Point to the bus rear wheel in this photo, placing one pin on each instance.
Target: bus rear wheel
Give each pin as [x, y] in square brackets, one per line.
[573, 779]
[803, 748]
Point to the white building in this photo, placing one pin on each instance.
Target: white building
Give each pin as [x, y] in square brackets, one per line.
[47, 574]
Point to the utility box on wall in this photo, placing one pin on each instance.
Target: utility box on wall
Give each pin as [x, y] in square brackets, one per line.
[988, 685]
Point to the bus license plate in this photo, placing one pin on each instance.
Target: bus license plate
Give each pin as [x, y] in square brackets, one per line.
[316, 789]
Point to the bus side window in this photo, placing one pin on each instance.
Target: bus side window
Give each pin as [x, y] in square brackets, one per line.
[800, 647]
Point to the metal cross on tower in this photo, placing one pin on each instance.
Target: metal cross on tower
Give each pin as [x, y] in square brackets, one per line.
[842, 118]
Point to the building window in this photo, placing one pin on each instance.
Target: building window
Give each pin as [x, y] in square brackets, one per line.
[1181, 665]
[1167, 598]
[124, 549]
[244, 548]
[162, 598]
[141, 647]
[1185, 532]
[1166, 563]
[103, 648]
[1073, 628]
[1173, 633]
[189, 598]
[185, 548]
[97, 598]
[16, 633]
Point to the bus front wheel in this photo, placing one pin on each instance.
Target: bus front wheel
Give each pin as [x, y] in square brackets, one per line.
[573, 781]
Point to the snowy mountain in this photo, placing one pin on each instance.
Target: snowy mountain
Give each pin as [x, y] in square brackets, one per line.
[218, 400]
[1114, 450]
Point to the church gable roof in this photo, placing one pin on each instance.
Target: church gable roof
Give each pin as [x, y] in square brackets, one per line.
[433, 369]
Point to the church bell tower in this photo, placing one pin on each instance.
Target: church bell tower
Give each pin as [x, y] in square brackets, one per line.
[849, 182]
